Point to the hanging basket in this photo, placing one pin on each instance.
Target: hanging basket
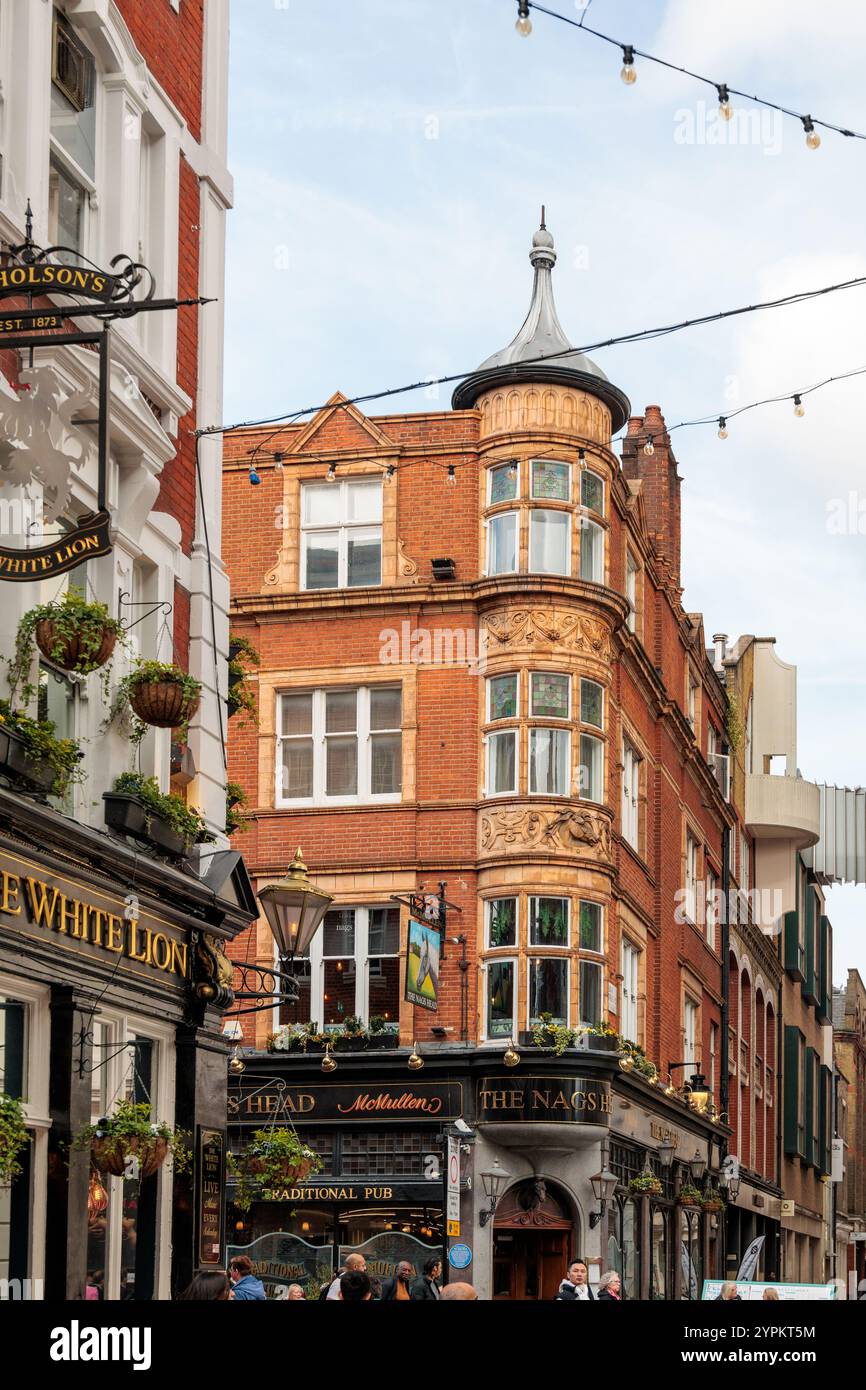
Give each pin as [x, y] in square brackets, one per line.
[112, 1155]
[288, 1174]
[163, 703]
[152, 1155]
[72, 653]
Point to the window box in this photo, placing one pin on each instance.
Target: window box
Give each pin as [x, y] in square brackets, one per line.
[129, 816]
[18, 766]
[291, 1041]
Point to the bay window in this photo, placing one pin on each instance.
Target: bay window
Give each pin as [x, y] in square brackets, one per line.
[549, 759]
[502, 697]
[501, 1000]
[548, 921]
[591, 768]
[591, 551]
[501, 922]
[551, 480]
[549, 695]
[341, 534]
[501, 778]
[549, 542]
[548, 989]
[339, 745]
[592, 492]
[591, 981]
[72, 162]
[503, 483]
[502, 543]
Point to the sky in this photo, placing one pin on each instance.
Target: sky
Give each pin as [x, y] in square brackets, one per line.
[390, 160]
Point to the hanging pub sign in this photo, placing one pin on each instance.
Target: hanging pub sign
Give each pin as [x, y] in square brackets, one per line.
[211, 1209]
[41, 443]
[422, 964]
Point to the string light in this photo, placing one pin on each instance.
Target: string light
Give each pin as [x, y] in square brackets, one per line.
[649, 447]
[331, 475]
[799, 408]
[813, 139]
[723, 427]
[451, 480]
[726, 110]
[627, 71]
[278, 462]
[389, 473]
[642, 335]
[697, 77]
[581, 457]
[524, 23]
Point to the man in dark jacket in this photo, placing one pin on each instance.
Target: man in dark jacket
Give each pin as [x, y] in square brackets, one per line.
[399, 1289]
[575, 1286]
[247, 1288]
[427, 1287]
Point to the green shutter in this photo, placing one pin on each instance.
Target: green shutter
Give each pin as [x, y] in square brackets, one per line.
[825, 1006]
[791, 1086]
[810, 983]
[793, 964]
[824, 1117]
[811, 1138]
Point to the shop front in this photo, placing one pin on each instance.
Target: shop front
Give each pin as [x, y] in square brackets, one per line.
[111, 970]
[378, 1132]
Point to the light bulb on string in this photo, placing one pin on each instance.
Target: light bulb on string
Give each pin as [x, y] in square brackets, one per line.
[278, 462]
[254, 477]
[524, 23]
[581, 458]
[389, 473]
[813, 139]
[799, 408]
[331, 475]
[628, 72]
[723, 427]
[451, 480]
[726, 110]
[649, 447]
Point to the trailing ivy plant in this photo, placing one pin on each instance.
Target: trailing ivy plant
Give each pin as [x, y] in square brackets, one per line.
[235, 802]
[273, 1158]
[73, 618]
[184, 820]
[241, 697]
[123, 1134]
[152, 673]
[735, 729]
[14, 1138]
[41, 745]
[555, 1037]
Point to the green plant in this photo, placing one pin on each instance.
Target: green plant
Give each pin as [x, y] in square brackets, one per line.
[75, 622]
[647, 1183]
[235, 802]
[273, 1158]
[130, 1132]
[734, 727]
[14, 1137]
[353, 1027]
[184, 820]
[154, 673]
[712, 1200]
[378, 1024]
[41, 745]
[551, 922]
[640, 1062]
[241, 698]
[555, 1037]
[689, 1195]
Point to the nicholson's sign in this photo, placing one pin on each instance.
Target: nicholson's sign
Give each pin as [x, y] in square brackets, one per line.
[81, 920]
[366, 1102]
[528, 1099]
[45, 278]
[89, 540]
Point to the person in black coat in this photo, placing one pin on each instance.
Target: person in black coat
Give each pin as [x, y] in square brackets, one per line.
[610, 1287]
[399, 1288]
[427, 1287]
[575, 1286]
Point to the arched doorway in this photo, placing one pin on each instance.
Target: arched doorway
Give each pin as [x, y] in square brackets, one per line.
[533, 1240]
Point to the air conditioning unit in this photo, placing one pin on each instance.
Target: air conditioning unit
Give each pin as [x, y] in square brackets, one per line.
[721, 765]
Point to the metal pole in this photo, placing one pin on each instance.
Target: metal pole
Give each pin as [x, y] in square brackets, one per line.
[104, 411]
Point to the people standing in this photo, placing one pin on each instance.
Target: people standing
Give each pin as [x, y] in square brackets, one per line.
[610, 1288]
[458, 1290]
[427, 1287]
[247, 1288]
[355, 1264]
[399, 1288]
[208, 1286]
[574, 1288]
[355, 1287]
[294, 1292]
[729, 1293]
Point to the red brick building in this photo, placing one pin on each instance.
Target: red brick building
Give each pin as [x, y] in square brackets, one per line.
[476, 668]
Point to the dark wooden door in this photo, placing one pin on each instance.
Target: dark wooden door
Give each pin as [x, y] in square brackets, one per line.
[528, 1265]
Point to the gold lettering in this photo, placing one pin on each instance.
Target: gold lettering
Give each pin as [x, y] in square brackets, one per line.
[133, 941]
[114, 939]
[11, 886]
[161, 951]
[43, 915]
[178, 958]
[98, 919]
[591, 1101]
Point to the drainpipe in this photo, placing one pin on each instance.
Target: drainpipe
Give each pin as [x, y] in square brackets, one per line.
[726, 1005]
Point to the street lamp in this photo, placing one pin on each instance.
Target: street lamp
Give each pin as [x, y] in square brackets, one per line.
[665, 1153]
[697, 1167]
[493, 1180]
[699, 1094]
[294, 909]
[603, 1187]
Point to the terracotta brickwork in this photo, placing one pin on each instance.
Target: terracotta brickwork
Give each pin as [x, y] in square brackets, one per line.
[446, 825]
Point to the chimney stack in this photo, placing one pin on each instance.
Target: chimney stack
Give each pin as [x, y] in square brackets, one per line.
[660, 490]
[720, 640]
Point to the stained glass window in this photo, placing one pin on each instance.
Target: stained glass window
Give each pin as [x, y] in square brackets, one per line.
[549, 695]
[503, 697]
[550, 480]
[592, 492]
[503, 483]
[591, 703]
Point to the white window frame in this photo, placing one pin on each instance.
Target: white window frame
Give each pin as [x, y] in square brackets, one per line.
[501, 718]
[585, 507]
[714, 1038]
[534, 513]
[344, 529]
[630, 968]
[534, 947]
[586, 723]
[630, 809]
[58, 155]
[598, 569]
[488, 904]
[532, 954]
[691, 1030]
[35, 1104]
[538, 497]
[584, 793]
[504, 959]
[363, 734]
[361, 957]
[591, 950]
[489, 739]
[561, 718]
[692, 712]
[631, 574]
[586, 961]
[490, 523]
[711, 918]
[691, 884]
[504, 501]
[561, 733]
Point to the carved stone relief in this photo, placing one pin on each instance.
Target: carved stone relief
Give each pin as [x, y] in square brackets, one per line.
[562, 828]
[546, 627]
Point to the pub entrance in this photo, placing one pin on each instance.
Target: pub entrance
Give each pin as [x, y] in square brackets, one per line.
[533, 1239]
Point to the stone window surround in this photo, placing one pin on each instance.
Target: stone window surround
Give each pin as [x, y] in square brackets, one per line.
[524, 721]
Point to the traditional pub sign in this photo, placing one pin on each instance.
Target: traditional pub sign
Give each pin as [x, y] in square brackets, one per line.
[556, 1099]
[40, 442]
[358, 1102]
